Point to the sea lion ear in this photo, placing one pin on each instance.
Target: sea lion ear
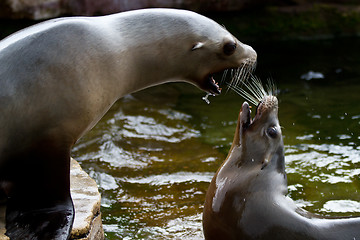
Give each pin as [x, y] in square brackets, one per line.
[197, 46]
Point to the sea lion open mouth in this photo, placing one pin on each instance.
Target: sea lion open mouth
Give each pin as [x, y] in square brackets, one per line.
[237, 76]
[213, 86]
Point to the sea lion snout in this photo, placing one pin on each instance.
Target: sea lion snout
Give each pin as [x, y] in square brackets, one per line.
[267, 108]
[268, 103]
[247, 51]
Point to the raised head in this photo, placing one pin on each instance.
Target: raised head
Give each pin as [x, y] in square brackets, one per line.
[259, 139]
[254, 168]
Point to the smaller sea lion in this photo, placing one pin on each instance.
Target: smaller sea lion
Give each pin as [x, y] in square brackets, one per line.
[247, 196]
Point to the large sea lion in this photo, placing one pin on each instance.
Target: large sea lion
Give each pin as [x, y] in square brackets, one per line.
[58, 78]
[247, 196]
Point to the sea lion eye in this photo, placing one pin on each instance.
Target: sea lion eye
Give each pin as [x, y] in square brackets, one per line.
[229, 48]
[272, 132]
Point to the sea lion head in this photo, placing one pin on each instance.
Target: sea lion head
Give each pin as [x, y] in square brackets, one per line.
[260, 139]
[179, 45]
[216, 50]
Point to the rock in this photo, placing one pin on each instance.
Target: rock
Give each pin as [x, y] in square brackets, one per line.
[2, 223]
[43, 9]
[86, 197]
[31, 9]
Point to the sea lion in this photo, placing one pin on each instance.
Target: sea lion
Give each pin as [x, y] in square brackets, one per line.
[58, 78]
[247, 196]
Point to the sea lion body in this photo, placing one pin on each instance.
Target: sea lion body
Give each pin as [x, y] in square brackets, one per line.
[58, 78]
[247, 196]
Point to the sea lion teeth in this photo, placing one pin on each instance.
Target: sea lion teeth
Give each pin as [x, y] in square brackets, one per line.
[214, 87]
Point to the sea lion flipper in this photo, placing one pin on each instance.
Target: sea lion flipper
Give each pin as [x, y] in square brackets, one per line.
[39, 205]
[54, 222]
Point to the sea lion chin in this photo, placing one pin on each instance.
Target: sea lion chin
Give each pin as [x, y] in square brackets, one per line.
[247, 198]
[59, 77]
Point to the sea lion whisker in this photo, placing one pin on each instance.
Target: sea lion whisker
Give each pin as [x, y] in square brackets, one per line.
[252, 87]
[271, 87]
[249, 96]
[234, 76]
[231, 77]
[224, 76]
[244, 94]
[259, 87]
[240, 76]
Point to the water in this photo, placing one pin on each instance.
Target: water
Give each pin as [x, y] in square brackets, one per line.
[155, 152]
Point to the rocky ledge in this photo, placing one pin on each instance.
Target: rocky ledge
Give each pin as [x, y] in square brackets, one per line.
[86, 197]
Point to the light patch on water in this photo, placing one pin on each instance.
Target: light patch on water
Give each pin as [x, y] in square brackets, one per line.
[171, 178]
[149, 129]
[189, 228]
[316, 116]
[343, 136]
[174, 115]
[295, 187]
[118, 157]
[332, 179]
[312, 75]
[348, 153]
[305, 158]
[163, 135]
[104, 180]
[324, 155]
[341, 206]
[209, 159]
[111, 228]
[325, 163]
[107, 202]
[305, 137]
[303, 203]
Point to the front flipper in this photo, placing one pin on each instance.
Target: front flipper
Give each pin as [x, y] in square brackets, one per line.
[25, 222]
[39, 205]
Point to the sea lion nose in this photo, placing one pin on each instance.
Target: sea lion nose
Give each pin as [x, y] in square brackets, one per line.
[250, 52]
[246, 54]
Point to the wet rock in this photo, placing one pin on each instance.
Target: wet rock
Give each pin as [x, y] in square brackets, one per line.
[2, 224]
[42, 9]
[86, 197]
[31, 9]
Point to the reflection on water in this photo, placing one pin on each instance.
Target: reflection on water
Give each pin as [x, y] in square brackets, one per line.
[154, 154]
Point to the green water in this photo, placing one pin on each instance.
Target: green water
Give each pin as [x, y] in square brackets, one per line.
[154, 154]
